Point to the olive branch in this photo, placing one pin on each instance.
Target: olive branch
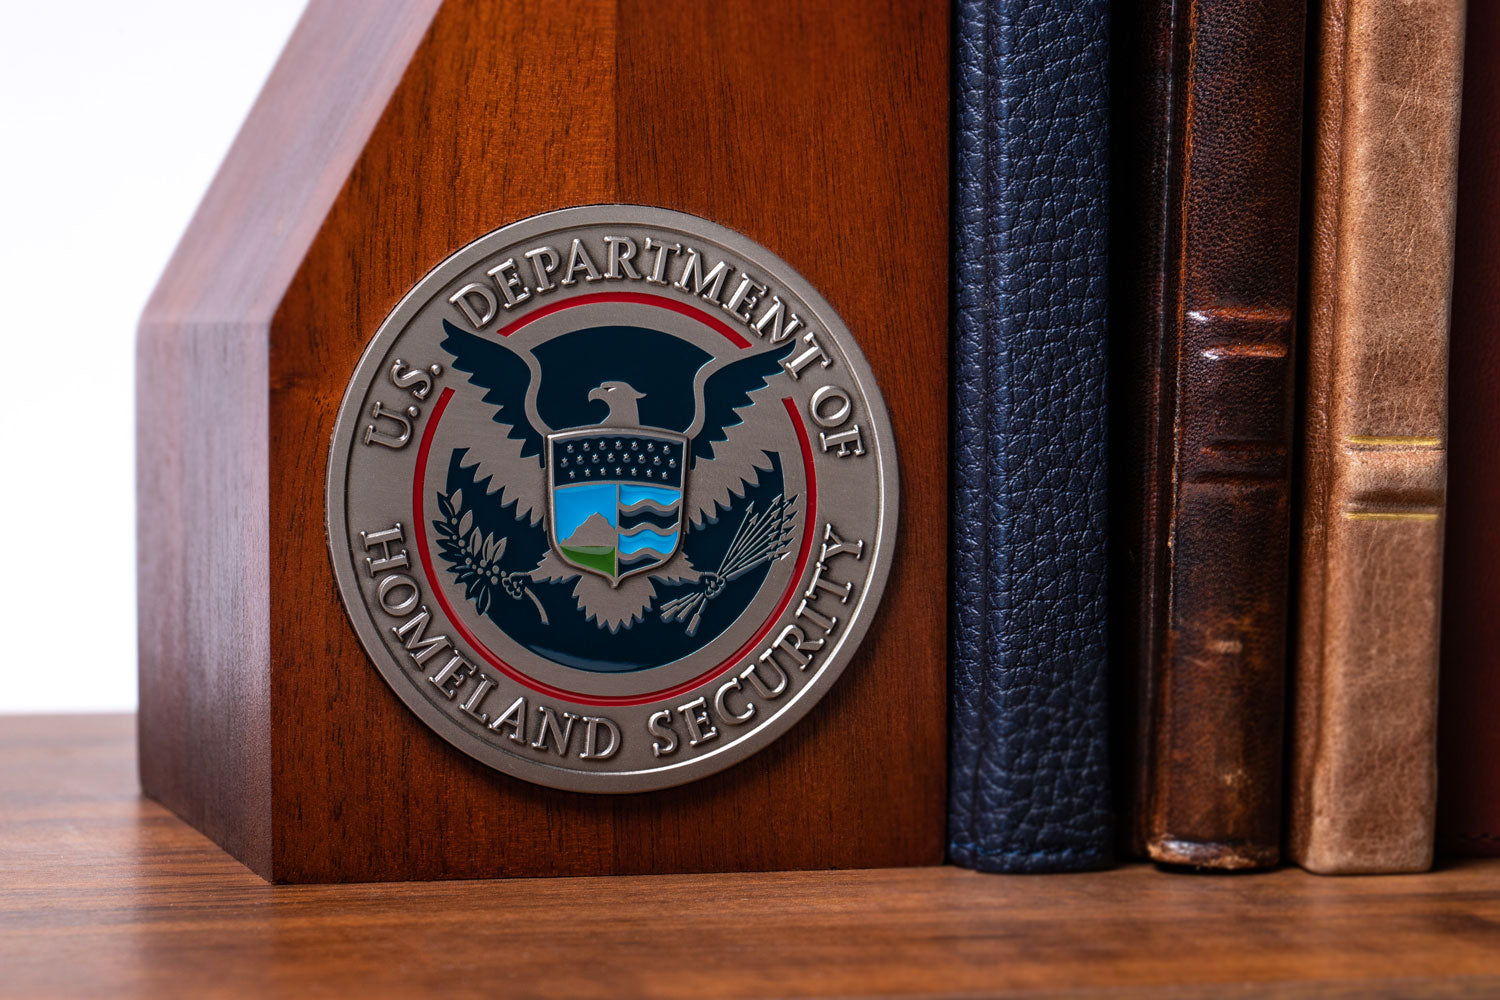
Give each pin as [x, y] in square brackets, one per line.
[761, 538]
[474, 557]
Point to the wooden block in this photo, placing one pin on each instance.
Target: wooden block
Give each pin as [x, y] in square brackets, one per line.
[389, 135]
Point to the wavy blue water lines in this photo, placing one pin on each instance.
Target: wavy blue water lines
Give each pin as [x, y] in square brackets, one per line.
[644, 538]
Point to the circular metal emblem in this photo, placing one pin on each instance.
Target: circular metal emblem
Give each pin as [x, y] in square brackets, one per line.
[611, 498]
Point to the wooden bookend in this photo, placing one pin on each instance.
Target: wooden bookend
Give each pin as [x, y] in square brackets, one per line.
[390, 134]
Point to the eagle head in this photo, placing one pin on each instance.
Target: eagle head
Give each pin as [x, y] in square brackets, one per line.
[621, 398]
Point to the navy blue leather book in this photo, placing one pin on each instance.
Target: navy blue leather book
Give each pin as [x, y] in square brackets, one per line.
[1029, 787]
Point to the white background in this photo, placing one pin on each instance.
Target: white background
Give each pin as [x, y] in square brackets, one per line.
[114, 115]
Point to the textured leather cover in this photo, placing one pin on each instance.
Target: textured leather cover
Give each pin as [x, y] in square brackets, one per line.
[1469, 700]
[1212, 111]
[1029, 789]
[1385, 160]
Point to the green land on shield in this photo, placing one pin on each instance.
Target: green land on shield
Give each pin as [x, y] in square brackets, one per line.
[598, 557]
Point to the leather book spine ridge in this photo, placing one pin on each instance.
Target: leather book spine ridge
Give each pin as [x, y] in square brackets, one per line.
[1029, 789]
[1214, 96]
[1468, 808]
[1364, 775]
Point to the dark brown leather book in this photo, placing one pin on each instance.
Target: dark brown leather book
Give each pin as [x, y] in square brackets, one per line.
[1380, 255]
[1212, 96]
[1469, 690]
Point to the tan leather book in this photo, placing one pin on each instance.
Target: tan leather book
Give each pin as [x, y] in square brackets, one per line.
[1363, 780]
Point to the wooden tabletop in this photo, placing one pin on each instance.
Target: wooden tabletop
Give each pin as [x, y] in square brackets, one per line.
[103, 892]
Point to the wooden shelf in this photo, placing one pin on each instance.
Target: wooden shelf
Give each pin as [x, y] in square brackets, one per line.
[102, 892]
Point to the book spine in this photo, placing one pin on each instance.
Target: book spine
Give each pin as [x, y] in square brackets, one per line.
[1364, 777]
[1029, 761]
[1212, 693]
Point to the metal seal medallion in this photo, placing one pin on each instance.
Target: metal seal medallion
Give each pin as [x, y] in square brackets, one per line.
[612, 498]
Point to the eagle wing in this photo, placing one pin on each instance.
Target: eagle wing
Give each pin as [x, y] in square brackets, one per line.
[510, 381]
[723, 462]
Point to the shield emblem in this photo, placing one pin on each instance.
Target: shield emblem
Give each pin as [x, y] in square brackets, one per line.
[615, 496]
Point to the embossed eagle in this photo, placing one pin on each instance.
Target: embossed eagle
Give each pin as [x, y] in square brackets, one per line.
[667, 481]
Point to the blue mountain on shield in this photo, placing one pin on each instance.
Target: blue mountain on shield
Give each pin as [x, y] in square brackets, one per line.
[616, 529]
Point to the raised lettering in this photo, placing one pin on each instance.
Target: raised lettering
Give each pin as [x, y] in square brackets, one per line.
[833, 545]
[695, 714]
[591, 748]
[464, 299]
[814, 350]
[621, 253]
[775, 317]
[405, 377]
[402, 419]
[819, 583]
[515, 718]
[744, 298]
[451, 677]
[846, 442]
[413, 637]
[793, 641]
[825, 415]
[385, 539]
[660, 726]
[720, 706]
[658, 275]
[544, 262]
[694, 282]
[385, 594]
[471, 705]
[560, 732]
[825, 622]
[579, 260]
[509, 283]
[752, 674]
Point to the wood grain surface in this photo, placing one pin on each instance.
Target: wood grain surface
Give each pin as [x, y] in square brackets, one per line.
[202, 389]
[103, 892]
[819, 131]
